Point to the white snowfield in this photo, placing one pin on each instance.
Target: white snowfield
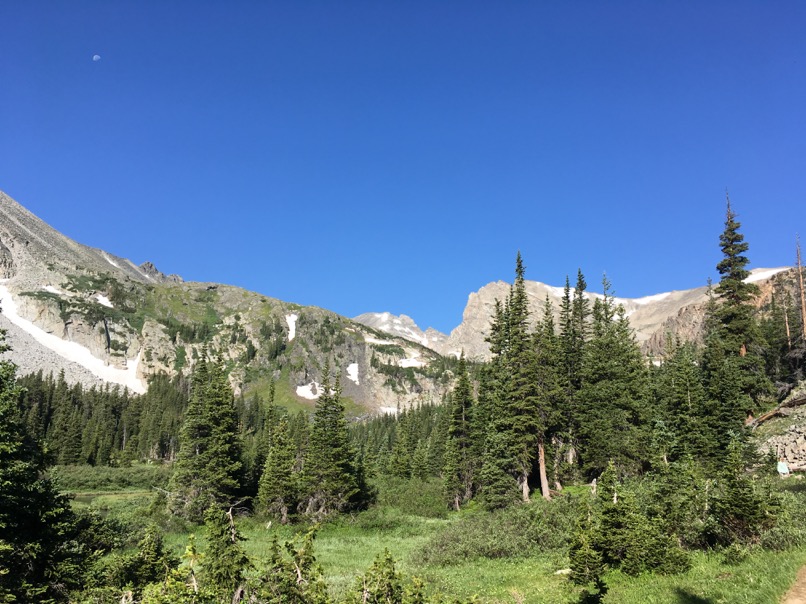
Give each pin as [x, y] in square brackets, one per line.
[103, 300]
[371, 340]
[655, 298]
[412, 362]
[310, 391]
[72, 351]
[53, 290]
[109, 260]
[352, 372]
[761, 274]
[389, 410]
[292, 326]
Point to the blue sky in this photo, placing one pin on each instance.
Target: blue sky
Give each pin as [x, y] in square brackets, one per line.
[371, 156]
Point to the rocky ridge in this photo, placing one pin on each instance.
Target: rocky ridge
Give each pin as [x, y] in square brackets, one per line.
[102, 318]
[679, 313]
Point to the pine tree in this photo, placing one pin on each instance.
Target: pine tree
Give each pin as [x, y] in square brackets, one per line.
[208, 466]
[521, 404]
[614, 395]
[225, 559]
[733, 369]
[42, 553]
[329, 475]
[457, 472]
[550, 387]
[277, 491]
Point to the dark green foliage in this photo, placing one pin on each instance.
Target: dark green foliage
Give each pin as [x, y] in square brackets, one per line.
[278, 488]
[733, 368]
[517, 531]
[43, 553]
[743, 510]
[225, 561]
[292, 575]
[207, 468]
[614, 397]
[457, 472]
[498, 487]
[329, 480]
[149, 564]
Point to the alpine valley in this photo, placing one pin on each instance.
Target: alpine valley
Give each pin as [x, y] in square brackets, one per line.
[100, 318]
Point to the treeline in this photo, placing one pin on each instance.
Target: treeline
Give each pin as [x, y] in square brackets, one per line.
[570, 401]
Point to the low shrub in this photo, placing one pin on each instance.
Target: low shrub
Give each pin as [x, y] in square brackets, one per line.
[514, 532]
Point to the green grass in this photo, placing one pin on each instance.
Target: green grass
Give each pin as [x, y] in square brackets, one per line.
[105, 479]
[284, 396]
[409, 519]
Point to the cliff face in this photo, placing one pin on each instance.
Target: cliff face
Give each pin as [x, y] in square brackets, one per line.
[101, 318]
[679, 314]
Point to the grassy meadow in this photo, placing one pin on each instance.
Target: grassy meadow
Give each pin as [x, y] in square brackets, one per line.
[512, 556]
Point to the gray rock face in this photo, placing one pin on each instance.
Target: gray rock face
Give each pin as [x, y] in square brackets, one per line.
[679, 313]
[131, 322]
[791, 444]
[402, 326]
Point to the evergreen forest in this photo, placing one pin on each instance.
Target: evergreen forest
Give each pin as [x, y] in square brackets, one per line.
[568, 468]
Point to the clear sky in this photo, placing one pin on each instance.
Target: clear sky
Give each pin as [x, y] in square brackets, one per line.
[370, 156]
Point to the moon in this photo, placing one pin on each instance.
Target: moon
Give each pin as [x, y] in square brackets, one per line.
[96, 57]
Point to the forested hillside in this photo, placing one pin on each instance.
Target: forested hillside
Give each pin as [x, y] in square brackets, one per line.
[570, 449]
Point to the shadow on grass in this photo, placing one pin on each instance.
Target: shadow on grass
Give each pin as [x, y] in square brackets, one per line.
[794, 485]
[686, 597]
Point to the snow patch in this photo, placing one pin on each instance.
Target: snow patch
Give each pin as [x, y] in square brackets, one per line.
[292, 326]
[654, 298]
[310, 391]
[110, 261]
[53, 290]
[103, 300]
[760, 274]
[352, 372]
[412, 362]
[388, 410]
[72, 351]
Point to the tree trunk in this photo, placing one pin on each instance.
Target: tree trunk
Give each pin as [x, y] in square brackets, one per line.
[544, 481]
[524, 484]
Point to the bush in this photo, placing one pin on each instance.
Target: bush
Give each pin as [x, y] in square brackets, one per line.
[514, 532]
[412, 496]
[93, 479]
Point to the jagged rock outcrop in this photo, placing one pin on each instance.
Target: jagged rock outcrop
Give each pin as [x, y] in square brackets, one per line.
[789, 443]
[679, 314]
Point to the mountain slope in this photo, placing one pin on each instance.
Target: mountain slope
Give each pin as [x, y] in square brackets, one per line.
[101, 318]
[679, 313]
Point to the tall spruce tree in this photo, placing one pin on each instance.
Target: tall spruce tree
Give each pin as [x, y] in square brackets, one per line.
[614, 397]
[329, 473]
[207, 469]
[733, 368]
[277, 491]
[42, 553]
[522, 403]
[457, 471]
[550, 387]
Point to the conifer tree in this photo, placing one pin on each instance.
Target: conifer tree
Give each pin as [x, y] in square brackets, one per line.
[551, 393]
[733, 369]
[225, 559]
[277, 492]
[521, 404]
[329, 474]
[42, 553]
[208, 466]
[614, 395]
[457, 472]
